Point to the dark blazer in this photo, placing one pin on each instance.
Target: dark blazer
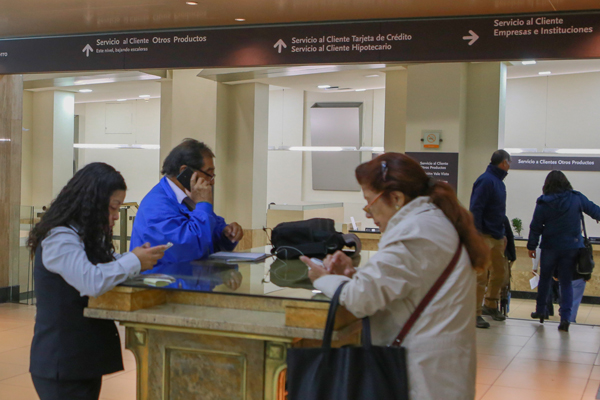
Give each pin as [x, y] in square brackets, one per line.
[66, 345]
[557, 218]
[488, 202]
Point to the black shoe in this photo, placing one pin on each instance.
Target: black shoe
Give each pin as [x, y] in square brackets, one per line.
[550, 310]
[482, 323]
[494, 313]
[541, 317]
[564, 326]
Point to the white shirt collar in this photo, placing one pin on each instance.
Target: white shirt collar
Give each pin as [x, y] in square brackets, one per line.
[180, 194]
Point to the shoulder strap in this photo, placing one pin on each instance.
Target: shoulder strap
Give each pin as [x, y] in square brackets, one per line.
[428, 297]
[583, 224]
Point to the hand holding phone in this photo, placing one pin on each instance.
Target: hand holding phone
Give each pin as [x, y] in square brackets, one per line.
[201, 189]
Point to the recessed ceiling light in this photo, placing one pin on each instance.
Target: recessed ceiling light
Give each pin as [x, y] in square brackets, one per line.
[85, 90]
[371, 76]
[191, 3]
[532, 62]
[544, 73]
[121, 99]
[240, 19]
[360, 90]
[143, 96]
[324, 86]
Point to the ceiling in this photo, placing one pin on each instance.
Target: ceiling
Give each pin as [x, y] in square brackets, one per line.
[55, 17]
[130, 85]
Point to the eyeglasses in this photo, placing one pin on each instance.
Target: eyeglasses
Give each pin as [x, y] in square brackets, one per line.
[367, 208]
[212, 177]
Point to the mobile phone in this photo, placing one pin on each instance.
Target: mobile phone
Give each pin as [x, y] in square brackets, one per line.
[185, 178]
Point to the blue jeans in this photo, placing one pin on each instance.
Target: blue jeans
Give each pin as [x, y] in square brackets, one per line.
[564, 261]
[578, 288]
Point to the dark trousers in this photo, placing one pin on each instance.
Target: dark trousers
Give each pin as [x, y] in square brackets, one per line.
[564, 262]
[52, 389]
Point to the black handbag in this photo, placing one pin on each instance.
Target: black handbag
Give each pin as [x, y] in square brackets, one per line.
[355, 373]
[314, 237]
[585, 257]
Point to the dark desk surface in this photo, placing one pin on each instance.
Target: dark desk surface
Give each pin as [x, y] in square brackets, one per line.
[286, 279]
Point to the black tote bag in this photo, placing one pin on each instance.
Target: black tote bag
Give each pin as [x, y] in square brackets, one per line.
[585, 257]
[355, 373]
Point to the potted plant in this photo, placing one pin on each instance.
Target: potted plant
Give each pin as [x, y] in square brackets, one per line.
[517, 225]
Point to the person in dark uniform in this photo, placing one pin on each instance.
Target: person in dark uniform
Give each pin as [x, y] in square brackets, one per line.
[74, 259]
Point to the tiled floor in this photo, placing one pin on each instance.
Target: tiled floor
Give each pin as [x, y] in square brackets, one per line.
[517, 359]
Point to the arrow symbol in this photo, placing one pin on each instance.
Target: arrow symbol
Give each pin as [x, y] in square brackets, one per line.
[279, 45]
[87, 49]
[473, 38]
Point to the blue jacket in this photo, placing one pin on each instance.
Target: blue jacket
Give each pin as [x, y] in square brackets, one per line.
[557, 217]
[488, 202]
[194, 234]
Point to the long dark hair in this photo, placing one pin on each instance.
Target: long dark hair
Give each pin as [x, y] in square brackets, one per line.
[397, 172]
[556, 182]
[83, 203]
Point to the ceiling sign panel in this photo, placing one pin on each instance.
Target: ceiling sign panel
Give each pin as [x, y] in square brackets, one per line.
[552, 36]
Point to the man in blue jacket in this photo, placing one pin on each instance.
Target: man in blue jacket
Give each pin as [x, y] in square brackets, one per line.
[170, 212]
[488, 206]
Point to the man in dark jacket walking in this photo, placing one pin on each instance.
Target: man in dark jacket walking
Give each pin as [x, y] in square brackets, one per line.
[488, 205]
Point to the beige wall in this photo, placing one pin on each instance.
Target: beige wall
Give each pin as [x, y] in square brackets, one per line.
[396, 83]
[140, 168]
[53, 129]
[486, 93]
[27, 159]
[241, 153]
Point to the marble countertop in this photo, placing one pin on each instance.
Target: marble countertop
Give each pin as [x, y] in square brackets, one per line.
[218, 319]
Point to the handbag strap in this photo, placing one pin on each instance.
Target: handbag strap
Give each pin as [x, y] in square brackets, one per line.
[335, 301]
[428, 297]
[584, 231]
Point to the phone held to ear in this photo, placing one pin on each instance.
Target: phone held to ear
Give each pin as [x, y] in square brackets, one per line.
[185, 178]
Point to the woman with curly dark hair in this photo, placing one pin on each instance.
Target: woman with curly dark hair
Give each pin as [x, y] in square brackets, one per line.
[75, 259]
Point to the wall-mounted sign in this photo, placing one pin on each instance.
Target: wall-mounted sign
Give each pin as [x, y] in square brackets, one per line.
[431, 139]
[514, 37]
[441, 166]
[548, 163]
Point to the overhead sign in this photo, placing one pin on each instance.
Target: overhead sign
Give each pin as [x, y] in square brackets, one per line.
[441, 166]
[549, 36]
[549, 163]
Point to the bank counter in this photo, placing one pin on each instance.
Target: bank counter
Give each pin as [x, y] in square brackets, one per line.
[220, 330]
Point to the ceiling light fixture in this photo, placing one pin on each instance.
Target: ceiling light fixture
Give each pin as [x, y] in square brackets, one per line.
[544, 73]
[324, 86]
[240, 19]
[372, 76]
[116, 146]
[360, 90]
[530, 62]
[85, 91]
[191, 3]
[144, 96]
[572, 151]
[520, 150]
[121, 99]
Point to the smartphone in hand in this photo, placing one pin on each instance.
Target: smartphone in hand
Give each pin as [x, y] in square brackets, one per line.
[185, 178]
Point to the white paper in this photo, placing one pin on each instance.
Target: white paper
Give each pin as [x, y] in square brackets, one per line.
[226, 255]
[533, 282]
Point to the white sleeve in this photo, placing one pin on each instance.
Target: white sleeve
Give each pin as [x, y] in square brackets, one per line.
[389, 275]
[63, 253]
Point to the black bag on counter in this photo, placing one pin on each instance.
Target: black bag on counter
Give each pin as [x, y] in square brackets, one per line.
[585, 257]
[315, 237]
